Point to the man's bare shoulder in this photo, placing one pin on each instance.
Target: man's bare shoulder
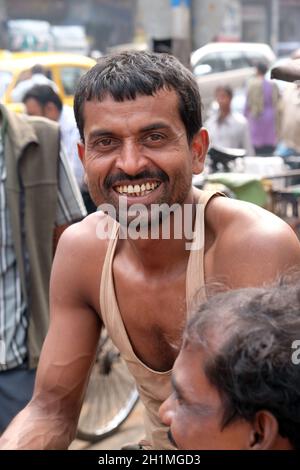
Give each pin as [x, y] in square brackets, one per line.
[226, 214]
[89, 235]
[82, 247]
[250, 242]
[78, 263]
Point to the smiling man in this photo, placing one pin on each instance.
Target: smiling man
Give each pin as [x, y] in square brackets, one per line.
[139, 117]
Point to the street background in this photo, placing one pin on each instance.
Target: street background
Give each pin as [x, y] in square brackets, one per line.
[132, 431]
[177, 24]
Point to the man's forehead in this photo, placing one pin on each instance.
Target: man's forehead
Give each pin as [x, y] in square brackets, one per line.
[142, 111]
[188, 366]
[191, 384]
[161, 94]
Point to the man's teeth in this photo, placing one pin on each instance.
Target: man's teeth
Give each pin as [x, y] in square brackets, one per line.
[137, 189]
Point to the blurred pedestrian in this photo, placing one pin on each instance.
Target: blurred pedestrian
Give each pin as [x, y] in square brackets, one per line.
[262, 110]
[38, 76]
[38, 200]
[42, 100]
[227, 128]
[289, 144]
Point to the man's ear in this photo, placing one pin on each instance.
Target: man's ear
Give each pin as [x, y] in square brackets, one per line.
[264, 434]
[81, 151]
[199, 149]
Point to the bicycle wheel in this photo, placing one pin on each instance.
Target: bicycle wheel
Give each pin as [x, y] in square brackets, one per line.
[110, 397]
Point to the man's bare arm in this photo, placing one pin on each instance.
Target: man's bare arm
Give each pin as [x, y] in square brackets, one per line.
[254, 248]
[49, 421]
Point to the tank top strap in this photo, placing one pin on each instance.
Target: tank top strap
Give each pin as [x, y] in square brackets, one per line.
[106, 286]
[195, 280]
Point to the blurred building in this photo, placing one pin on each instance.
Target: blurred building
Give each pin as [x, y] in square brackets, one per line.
[224, 21]
[107, 22]
[273, 21]
[112, 22]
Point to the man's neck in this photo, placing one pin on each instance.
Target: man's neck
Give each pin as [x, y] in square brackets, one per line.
[159, 255]
[223, 114]
[170, 248]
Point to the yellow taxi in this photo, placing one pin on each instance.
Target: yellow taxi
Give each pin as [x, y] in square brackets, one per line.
[65, 69]
[4, 53]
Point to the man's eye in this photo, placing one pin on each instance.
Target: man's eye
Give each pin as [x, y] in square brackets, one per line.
[107, 141]
[154, 138]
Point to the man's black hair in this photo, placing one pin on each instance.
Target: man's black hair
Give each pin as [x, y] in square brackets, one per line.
[43, 94]
[130, 74]
[37, 68]
[226, 89]
[262, 68]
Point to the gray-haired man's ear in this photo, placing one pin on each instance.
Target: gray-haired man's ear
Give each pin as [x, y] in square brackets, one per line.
[265, 433]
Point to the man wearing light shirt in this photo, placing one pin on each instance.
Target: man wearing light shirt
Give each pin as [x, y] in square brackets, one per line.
[226, 128]
[38, 77]
[42, 100]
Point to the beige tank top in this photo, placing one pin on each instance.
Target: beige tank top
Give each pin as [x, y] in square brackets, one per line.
[154, 387]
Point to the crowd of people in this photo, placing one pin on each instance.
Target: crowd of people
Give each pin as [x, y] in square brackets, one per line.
[269, 123]
[215, 367]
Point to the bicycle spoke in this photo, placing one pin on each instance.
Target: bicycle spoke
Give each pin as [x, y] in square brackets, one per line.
[110, 397]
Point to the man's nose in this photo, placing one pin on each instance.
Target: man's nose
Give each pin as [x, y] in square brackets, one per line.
[131, 159]
[166, 411]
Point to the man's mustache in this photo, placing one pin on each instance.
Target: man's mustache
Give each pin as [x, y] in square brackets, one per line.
[146, 175]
